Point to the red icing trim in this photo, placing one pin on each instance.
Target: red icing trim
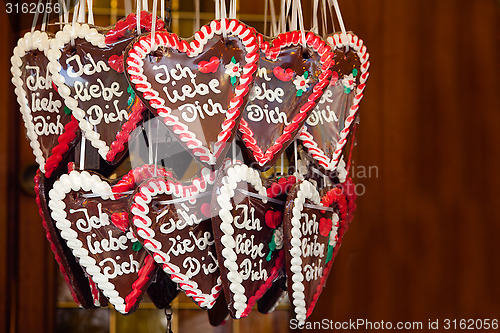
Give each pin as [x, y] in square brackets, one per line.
[51, 241]
[272, 51]
[140, 81]
[64, 140]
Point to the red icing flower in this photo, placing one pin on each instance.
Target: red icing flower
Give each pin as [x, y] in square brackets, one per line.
[325, 226]
[273, 219]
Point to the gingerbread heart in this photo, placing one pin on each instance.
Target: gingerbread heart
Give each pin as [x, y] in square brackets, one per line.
[83, 206]
[291, 77]
[81, 288]
[169, 219]
[313, 228]
[327, 128]
[85, 64]
[247, 237]
[199, 88]
[51, 129]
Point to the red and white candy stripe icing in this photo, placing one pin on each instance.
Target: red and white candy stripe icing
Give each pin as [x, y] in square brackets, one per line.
[339, 40]
[38, 40]
[143, 47]
[272, 51]
[140, 210]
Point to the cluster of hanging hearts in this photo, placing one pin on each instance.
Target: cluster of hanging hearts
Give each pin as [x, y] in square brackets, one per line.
[229, 238]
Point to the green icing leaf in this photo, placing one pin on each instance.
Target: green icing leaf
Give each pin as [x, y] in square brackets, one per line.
[272, 247]
[233, 60]
[347, 90]
[355, 72]
[136, 246]
[300, 92]
[67, 110]
[233, 79]
[306, 74]
[329, 255]
[130, 100]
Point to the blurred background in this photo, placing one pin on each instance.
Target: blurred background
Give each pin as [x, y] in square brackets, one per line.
[425, 240]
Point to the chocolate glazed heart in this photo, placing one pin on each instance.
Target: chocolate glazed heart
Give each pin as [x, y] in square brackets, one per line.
[172, 220]
[81, 288]
[290, 79]
[327, 128]
[313, 232]
[92, 218]
[51, 129]
[91, 81]
[248, 237]
[199, 88]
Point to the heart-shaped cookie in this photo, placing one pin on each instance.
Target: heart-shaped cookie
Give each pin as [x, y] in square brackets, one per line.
[291, 77]
[82, 288]
[172, 222]
[51, 129]
[88, 212]
[199, 88]
[248, 237]
[327, 128]
[313, 228]
[85, 66]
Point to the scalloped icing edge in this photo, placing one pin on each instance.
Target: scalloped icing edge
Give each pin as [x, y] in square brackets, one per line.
[272, 51]
[75, 181]
[235, 174]
[38, 40]
[140, 208]
[340, 40]
[143, 46]
[91, 35]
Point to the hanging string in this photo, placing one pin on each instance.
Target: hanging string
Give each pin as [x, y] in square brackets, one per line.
[217, 10]
[274, 28]
[162, 10]
[315, 24]
[233, 151]
[339, 16]
[223, 13]
[196, 15]
[301, 22]
[45, 16]
[81, 14]
[138, 16]
[91, 12]
[232, 9]
[73, 24]
[265, 17]
[295, 154]
[128, 7]
[282, 164]
[285, 6]
[35, 18]
[156, 148]
[145, 5]
[324, 18]
[153, 24]
[83, 144]
[168, 314]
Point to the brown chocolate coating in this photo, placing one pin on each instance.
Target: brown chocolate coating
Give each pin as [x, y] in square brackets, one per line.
[314, 260]
[219, 313]
[162, 290]
[268, 116]
[327, 119]
[252, 242]
[77, 279]
[272, 296]
[204, 112]
[185, 231]
[102, 94]
[118, 256]
[46, 105]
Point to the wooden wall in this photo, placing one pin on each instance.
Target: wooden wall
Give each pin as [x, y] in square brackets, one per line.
[425, 240]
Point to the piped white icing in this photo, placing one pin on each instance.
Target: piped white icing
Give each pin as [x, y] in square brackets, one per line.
[36, 40]
[235, 174]
[306, 191]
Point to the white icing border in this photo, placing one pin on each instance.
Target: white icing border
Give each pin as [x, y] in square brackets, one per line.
[339, 40]
[306, 191]
[140, 209]
[142, 48]
[75, 181]
[235, 174]
[36, 40]
[63, 37]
